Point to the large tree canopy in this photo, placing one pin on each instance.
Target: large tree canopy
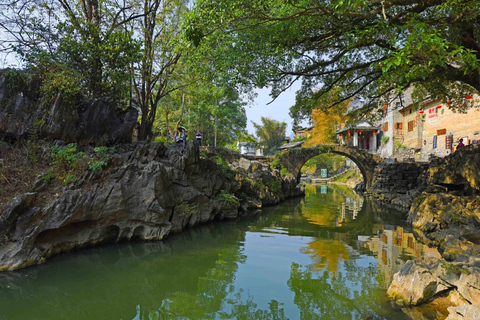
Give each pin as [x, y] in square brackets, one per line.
[367, 48]
[130, 50]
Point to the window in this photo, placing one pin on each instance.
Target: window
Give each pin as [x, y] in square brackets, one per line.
[441, 132]
[399, 125]
[385, 126]
[410, 125]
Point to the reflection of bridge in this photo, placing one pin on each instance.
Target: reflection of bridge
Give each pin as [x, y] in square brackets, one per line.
[294, 159]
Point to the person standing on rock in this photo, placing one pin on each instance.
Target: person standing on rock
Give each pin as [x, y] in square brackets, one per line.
[182, 136]
[198, 137]
[460, 144]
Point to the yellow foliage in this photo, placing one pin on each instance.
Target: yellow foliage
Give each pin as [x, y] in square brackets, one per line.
[325, 124]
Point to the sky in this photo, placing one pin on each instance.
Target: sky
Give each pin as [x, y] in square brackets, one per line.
[277, 110]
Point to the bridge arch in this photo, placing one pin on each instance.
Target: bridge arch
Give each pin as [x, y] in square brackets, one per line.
[294, 159]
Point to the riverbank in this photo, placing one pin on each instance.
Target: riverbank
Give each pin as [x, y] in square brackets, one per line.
[443, 203]
[145, 191]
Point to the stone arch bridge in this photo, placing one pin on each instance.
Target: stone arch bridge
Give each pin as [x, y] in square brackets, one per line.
[294, 159]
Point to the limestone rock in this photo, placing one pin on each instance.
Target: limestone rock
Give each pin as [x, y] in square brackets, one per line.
[96, 121]
[464, 312]
[148, 193]
[468, 285]
[415, 284]
[460, 169]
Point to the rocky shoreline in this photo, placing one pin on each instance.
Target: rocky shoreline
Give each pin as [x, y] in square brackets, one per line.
[443, 204]
[150, 191]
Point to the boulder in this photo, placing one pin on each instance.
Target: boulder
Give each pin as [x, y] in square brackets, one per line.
[94, 121]
[416, 283]
[464, 312]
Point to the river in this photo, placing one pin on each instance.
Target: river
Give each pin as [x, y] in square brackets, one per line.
[330, 255]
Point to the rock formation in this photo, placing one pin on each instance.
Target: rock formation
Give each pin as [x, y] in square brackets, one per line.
[147, 193]
[446, 214]
[94, 121]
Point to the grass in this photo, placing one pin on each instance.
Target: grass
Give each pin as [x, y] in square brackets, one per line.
[17, 171]
[350, 174]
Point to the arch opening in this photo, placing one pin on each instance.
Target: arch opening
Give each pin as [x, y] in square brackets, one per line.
[294, 159]
[326, 166]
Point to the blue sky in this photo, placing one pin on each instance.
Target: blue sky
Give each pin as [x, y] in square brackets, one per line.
[277, 110]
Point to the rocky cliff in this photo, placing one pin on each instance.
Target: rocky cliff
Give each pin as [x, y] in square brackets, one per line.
[148, 192]
[446, 214]
[88, 121]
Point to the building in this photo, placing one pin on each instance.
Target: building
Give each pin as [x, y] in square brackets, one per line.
[362, 135]
[246, 148]
[302, 132]
[431, 129]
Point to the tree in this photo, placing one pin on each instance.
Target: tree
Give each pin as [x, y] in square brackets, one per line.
[81, 40]
[160, 34]
[326, 121]
[124, 49]
[368, 48]
[208, 107]
[271, 134]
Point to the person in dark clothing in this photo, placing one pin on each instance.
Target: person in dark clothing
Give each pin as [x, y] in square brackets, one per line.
[460, 144]
[182, 136]
[198, 137]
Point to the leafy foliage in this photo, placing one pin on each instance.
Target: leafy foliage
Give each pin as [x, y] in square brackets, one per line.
[225, 169]
[271, 134]
[67, 162]
[327, 121]
[208, 108]
[16, 80]
[226, 198]
[100, 158]
[370, 49]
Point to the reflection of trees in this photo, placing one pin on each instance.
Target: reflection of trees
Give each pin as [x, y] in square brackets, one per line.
[347, 296]
[327, 253]
[192, 274]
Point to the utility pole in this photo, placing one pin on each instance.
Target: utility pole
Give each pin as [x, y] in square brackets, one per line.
[215, 141]
[215, 130]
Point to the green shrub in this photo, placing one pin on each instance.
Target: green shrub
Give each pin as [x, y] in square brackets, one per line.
[274, 186]
[225, 169]
[100, 158]
[226, 198]
[67, 162]
[16, 80]
[66, 157]
[275, 164]
[397, 145]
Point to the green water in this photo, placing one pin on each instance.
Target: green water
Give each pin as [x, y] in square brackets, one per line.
[329, 255]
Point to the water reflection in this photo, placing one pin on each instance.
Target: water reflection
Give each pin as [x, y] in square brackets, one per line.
[393, 248]
[327, 256]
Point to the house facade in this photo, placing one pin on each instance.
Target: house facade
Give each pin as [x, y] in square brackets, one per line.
[431, 129]
[362, 135]
[246, 148]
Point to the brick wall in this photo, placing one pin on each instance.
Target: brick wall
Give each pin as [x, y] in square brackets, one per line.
[398, 177]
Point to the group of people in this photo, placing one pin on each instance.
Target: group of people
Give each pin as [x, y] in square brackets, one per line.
[182, 136]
